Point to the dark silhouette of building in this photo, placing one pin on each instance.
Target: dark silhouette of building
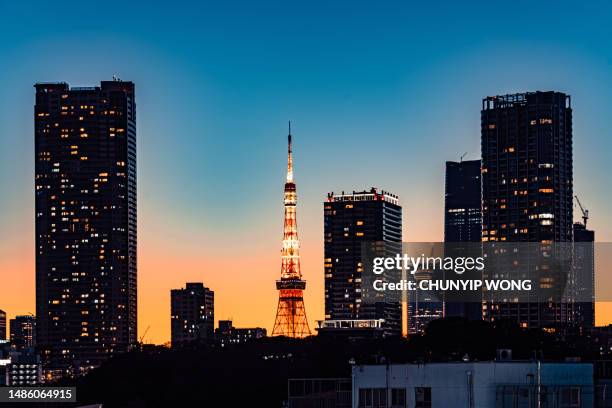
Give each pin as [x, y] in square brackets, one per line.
[462, 224]
[356, 226]
[85, 177]
[2, 325]
[584, 253]
[527, 193]
[462, 199]
[226, 334]
[23, 332]
[192, 314]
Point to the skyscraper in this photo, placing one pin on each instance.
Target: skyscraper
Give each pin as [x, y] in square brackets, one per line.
[462, 199]
[85, 165]
[23, 331]
[462, 224]
[291, 318]
[527, 189]
[354, 223]
[527, 168]
[192, 314]
[2, 325]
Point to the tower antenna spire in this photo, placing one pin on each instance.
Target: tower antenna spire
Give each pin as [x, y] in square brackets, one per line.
[289, 157]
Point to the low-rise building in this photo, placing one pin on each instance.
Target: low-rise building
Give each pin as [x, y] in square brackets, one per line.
[227, 334]
[500, 384]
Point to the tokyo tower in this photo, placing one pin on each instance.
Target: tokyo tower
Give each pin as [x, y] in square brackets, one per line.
[291, 314]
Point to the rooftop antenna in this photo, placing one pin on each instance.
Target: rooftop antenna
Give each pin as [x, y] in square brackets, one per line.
[462, 156]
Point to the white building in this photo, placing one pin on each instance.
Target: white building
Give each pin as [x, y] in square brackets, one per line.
[491, 384]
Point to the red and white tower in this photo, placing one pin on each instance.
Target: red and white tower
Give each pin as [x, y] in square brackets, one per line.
[291, 314]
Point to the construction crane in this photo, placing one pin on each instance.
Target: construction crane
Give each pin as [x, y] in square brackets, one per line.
[144, 334]
[585, 213]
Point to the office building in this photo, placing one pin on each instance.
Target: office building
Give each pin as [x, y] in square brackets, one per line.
[85, 209]
[226, 334]
[462, 224]
[527, 193]
[357, 226]
[23, 332]
[192, 314]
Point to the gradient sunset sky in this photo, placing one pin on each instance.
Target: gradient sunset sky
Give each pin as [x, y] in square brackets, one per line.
[380, 94]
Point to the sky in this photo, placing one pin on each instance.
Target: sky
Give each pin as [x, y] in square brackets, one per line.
[379, 94]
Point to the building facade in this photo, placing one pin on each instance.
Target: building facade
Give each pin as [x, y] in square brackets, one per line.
[507, 384]
[192, 314]
[319, 392]
[355, 224]
[23, 332]
[85, 178]
[527, 197]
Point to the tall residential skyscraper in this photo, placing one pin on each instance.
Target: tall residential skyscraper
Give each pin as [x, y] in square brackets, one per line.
[527, 176]
[85, 144]
[354, 223]
[192, 314]
[527, 187]
[23, 331]
[462, 199]
[2, 325]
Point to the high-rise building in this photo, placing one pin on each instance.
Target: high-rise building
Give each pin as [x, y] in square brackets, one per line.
[527, 170]
[290, 318]
[527, 193]
[192, 314]
[462, 224]
[23, 332]
[462, 199]
[2, 325]
[85, 177]
[356, 223]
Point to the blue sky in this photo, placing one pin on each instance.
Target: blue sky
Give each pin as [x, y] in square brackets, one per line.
[380, 94]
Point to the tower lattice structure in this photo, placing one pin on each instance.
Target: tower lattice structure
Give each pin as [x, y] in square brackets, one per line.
[291, 313]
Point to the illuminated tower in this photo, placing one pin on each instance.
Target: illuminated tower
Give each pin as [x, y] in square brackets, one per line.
[291, 314]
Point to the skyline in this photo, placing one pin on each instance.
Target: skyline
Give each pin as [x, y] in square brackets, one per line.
[411, 84]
